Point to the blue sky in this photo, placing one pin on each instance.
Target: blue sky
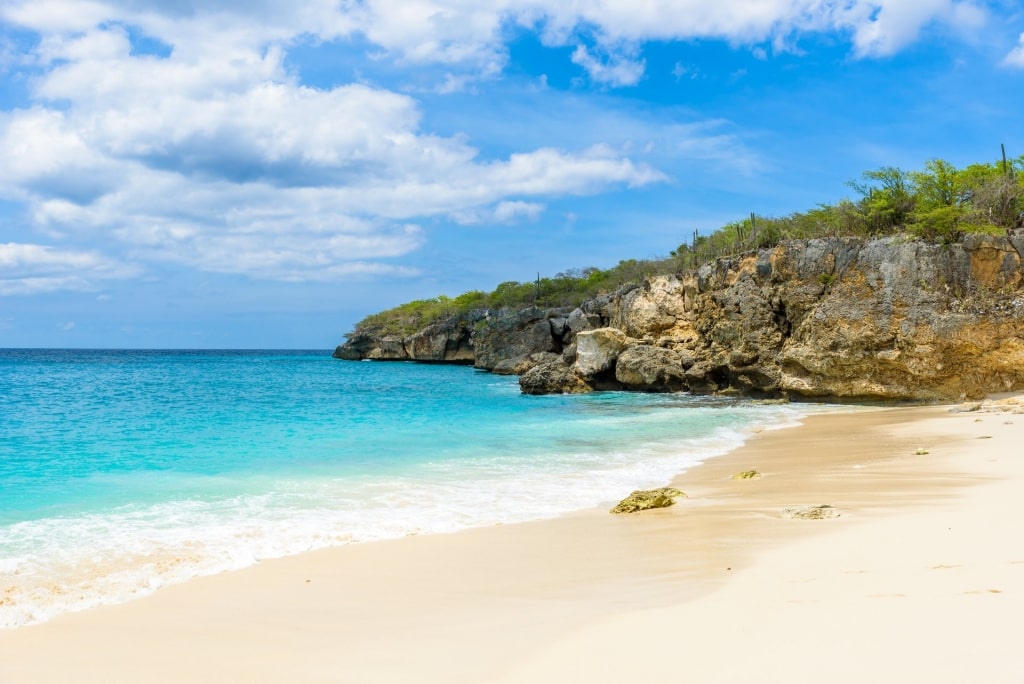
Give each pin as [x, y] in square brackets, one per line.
[227, 174]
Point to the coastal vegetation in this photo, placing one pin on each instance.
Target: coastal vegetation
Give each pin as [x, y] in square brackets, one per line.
[939, 204]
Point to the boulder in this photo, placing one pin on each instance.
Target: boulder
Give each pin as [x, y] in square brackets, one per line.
[650, 369]
[597, 350]
[656, 307]
[552, 377]
[578, 321]
[643, 499]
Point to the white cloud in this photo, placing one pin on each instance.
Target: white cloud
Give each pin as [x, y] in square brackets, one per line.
[883, 27]
[507, 212]
[32, 269]
[278, 181]
[216, 156]
[471, 33]
[56, 15]
[1015, 58]
[616, 69]
[229, 165]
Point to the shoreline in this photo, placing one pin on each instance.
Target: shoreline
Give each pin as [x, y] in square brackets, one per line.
[561, 476]
[525, 601]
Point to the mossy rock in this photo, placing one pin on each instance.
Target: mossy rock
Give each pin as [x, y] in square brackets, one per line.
[747, 475]
[811, 512]
[642, 499]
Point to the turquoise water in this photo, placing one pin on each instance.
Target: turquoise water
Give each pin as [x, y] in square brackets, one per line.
[123, 471]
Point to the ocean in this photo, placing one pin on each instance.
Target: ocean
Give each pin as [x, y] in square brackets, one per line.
[124, 471]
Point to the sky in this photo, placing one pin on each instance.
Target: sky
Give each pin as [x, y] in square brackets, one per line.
[260, 174]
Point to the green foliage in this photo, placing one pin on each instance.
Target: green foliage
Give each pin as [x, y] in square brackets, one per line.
[940, 204]
[886, 198]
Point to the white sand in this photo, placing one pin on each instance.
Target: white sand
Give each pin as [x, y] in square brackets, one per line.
[920, 579]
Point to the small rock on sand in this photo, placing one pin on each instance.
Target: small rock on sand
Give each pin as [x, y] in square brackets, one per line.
[642, 499]
[811, 512]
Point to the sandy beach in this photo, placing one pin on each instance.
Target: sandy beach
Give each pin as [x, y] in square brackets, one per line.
[920, 577]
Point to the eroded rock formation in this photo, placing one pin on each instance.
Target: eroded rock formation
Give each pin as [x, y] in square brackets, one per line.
[835, 318]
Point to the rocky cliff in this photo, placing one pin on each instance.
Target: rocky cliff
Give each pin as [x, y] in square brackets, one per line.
[833, 318]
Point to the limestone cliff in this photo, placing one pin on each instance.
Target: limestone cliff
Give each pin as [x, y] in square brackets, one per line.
[834, 318]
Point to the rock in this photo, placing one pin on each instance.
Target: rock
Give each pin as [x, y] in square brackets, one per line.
[908, 297]
[449, 340]
[569, 354]
[597, 350]
[642, 499]
[650, 369]
[811, 512]
[702, 378]
[504, 341]
[355, 348]
[891, 318]
[747, 475]
[657, 307]
[559, 326]
[578, 321]
[389, 349]
[552, 377]
[521, 366]
[446, 341]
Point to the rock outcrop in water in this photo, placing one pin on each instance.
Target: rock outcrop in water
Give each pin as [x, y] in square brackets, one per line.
[447, 341]
[892, 318]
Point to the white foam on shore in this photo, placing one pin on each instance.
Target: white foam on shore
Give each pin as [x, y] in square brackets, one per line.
[62, 564]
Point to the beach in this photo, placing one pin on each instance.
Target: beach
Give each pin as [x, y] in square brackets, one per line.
[918, 576]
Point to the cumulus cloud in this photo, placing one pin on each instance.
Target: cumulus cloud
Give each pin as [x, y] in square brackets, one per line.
[473, 31]
[472, 34]
[883, 27]
[32, 269]
[231, 165]
[214, 154]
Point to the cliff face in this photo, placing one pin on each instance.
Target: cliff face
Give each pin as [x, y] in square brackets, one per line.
[839, 318]
[446, 341]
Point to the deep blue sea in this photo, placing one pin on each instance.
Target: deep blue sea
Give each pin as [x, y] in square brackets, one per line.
[124, 471]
